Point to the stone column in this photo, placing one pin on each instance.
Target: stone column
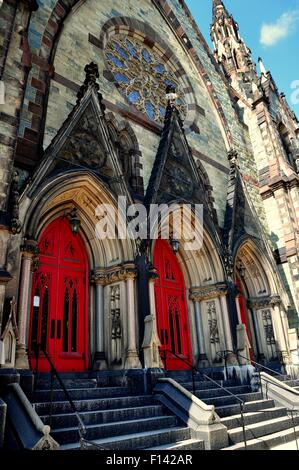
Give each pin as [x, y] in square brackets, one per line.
[99, 280]
[202, 356]
[261, 348]
[238, 310]
[132, 359]
[279, 330]
[5, 277]
[29, 251]
[151, 341]
[226, 323]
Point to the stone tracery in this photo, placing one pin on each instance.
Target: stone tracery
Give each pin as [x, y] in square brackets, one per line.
[142, 76]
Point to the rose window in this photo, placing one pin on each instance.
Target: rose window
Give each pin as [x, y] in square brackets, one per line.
[142, 76]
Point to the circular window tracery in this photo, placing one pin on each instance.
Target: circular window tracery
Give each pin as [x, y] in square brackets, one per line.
[142, 76]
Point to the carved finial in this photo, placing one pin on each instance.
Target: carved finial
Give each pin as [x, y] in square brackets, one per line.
[15, 223]
[171, 94]
[233, 158]
[91, 75]
[171, 97]
[218, 8]
[262, 67]
[228, 263]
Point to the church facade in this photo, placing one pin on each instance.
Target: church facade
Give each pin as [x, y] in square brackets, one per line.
[125, 99]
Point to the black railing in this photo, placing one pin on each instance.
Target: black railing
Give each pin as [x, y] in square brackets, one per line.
[84, 443]
[195, 371]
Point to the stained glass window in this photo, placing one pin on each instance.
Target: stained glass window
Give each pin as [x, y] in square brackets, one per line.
[142, 76]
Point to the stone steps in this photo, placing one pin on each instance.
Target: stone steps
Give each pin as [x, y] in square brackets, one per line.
[261, 429]
[81, 393]
[102, 378]
[189, 444]
[104, 417]
[255, 405]
[267, 442]
[45, 385]
[142, 440]
[221, 392]
[235, 421]
[207, 385]
[262, 418]
[116, 420]
[229, 400]
[113, 418]
[111, 430]
[87, 405]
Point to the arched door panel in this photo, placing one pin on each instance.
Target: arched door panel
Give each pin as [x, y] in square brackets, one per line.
[171, 307]
[59, 299]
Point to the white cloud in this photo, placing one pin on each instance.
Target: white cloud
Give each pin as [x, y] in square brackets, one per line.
[272, 33]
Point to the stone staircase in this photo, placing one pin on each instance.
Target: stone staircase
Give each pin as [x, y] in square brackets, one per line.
[266, 425]
[114, 419]
[118, 420]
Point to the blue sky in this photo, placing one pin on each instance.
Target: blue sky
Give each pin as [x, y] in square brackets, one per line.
[270, 29]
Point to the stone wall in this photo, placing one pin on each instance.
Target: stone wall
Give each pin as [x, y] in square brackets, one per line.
[74, 50]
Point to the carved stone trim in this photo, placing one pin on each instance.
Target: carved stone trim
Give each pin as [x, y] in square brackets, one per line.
[197, 294]
[114, 274]
[264, 302]
[29, 248]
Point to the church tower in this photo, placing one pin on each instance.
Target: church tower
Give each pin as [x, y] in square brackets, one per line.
[230, 49]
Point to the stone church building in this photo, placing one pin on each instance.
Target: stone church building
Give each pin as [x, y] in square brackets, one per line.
[102, 99]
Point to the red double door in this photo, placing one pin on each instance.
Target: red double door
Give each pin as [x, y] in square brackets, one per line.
[171, 309]
[59, 300]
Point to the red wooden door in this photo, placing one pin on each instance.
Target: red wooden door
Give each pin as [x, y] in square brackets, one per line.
[59, 299]
[171, 307]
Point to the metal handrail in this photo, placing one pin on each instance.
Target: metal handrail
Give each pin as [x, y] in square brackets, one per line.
[194, 368]
[291, 411]
[248, 359]
[81, 426]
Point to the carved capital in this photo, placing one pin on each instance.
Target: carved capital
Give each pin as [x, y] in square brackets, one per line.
[197, 294]
[29, 248]
[99, 277]
[275, 300]
[114, 274]
[152, 273]
[264, 302]
[130, 273]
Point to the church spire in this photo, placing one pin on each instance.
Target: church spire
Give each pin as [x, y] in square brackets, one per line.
[218, 5]
[230, 49]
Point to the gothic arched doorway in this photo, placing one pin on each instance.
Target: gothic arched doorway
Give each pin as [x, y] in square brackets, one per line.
[60, 299]
[171, 307]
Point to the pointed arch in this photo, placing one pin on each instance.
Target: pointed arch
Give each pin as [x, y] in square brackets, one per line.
[125, 140]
